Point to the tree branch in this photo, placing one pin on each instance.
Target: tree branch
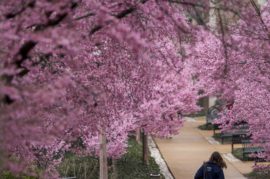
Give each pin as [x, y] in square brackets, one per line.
[20, 10]
[89, 14]
[258, 12]
[224, 43]
[119, 16]
[202, 6]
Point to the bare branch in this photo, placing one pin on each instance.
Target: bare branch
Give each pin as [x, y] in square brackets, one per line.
[119, 15]
[203, 6]
[89, 14]
[258, 12]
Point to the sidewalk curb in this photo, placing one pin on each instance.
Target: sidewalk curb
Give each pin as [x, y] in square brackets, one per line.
[152, 140]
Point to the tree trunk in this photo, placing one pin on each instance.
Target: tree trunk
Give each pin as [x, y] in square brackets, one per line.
[145, 149]
[205, 104]
[114, 168]
[138, 135]
[212, 15]
[103, 166]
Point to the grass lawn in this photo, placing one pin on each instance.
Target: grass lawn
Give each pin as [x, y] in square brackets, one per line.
[207, 127]
[217, 136]
[130, 166]
[258, 175]
[8, 175]
[265, 174]
[238, 153]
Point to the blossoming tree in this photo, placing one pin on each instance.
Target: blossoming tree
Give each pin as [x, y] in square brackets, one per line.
[233, 63]
[85, 70]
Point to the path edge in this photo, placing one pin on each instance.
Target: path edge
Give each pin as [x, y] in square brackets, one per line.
[152, 141]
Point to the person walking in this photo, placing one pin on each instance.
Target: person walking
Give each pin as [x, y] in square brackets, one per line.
[213, 169]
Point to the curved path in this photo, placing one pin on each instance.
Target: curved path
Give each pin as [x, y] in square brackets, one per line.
[186, 152]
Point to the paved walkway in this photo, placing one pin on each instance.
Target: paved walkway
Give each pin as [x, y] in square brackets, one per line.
[186, 152]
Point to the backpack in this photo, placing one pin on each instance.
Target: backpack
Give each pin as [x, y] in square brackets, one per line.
[204, 170]
[209, 171]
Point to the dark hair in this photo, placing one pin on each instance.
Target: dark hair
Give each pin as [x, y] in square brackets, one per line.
[216, 158]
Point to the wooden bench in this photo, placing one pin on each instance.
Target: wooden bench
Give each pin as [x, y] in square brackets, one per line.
[225, 135]
[235, 135]
[238, 138]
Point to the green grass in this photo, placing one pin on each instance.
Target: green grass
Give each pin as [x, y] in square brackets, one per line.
[206, 127]
[8, 175]
[258, 175]
[238, 153]
[130, 166]
[217, 136]
[81, 167]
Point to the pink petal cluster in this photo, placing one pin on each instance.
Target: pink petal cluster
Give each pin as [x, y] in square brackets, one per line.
[234, 66]
[70, 69]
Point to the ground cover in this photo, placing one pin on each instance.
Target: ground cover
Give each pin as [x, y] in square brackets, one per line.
[258, 175]
[206, 127]
[130, 166]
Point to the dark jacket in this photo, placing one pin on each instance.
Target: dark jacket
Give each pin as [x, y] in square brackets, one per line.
[210, 170]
